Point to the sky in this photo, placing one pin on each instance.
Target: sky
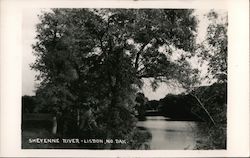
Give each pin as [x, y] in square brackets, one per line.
[29, 22]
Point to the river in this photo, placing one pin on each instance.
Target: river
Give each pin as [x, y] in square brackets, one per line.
[170, 135]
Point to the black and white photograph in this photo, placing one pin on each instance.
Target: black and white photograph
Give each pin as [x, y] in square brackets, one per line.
[124, 78]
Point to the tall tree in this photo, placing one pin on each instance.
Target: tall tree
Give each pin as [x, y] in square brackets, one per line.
[97, 58]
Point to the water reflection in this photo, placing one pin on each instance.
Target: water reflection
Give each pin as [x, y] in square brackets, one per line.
[171, 135]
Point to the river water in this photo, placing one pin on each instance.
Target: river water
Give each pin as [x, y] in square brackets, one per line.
[170, 135]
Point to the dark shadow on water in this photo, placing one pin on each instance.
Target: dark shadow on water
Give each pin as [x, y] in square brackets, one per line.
[182, 119]
[167, 118]
[155, 129]
[170, 130]
[142, 128]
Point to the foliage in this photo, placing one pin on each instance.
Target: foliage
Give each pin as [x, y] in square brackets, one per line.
[140, 139]
[178, 107]
[214, 99]
[215, 95]
[28, 104]
[152, 105]
[214, 48]
[141, 106]
[93, 60]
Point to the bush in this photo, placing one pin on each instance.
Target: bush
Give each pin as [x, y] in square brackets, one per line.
[214, 99]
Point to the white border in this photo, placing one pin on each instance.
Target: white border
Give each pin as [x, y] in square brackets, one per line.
[238, 88]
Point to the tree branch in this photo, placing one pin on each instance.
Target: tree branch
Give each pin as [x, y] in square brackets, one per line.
[138, 55]
[203, 107]
[102, 47]
[150, 75]
[140, 70]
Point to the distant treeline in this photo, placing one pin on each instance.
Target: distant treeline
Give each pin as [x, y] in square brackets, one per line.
[196, 105]
[178, 106]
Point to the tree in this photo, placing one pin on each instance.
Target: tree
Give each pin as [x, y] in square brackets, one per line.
[152, 105]
[141, 106]
[28, 104]
[211, 52]
[98, 58]
[214, 48]
[178, 107]
[212, 100]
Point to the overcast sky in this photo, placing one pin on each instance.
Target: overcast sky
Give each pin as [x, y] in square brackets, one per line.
[30, 19]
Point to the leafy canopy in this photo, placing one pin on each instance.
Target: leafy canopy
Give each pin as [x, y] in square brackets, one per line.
[97, 58]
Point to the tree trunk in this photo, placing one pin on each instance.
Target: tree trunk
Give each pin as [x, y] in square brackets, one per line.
[204, 108]
[54, 129]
